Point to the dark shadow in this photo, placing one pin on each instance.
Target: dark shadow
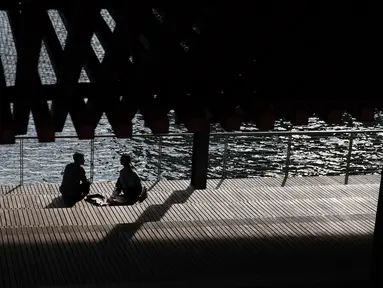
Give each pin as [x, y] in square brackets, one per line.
[12, 189]
[65, 256]
[149, 251]
[60, 202]
[154, 213]
[153, 185]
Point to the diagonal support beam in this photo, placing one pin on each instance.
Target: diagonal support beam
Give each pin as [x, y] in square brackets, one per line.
[27, 31]
[92, 65]
[103, 33]
[78, 42]
[56, 54]
[115, 63]
[91, 113]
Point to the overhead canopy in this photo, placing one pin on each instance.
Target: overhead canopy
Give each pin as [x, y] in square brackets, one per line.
[214, 61]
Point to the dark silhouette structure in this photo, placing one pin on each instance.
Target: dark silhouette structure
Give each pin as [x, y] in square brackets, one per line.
[209, 61]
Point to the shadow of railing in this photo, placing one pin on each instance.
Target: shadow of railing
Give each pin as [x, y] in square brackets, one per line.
[10, 190]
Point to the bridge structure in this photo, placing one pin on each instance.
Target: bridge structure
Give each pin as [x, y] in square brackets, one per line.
[210, 62]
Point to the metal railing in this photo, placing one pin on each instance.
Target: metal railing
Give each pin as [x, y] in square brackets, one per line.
[224, 135]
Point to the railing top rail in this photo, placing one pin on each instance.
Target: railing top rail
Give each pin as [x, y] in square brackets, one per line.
[232, 134]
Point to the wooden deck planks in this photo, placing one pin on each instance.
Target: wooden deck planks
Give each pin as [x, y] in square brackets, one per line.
[187, 212]
[177, 230]
[102, 187]
[25, 201]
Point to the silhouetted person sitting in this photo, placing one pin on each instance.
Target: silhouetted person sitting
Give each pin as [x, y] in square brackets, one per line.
[129, 183]
[74, 186]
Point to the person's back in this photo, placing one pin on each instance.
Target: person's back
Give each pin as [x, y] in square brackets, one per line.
[73, 175]
[74, 183]
[129, 183]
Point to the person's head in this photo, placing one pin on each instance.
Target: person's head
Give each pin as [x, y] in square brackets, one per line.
[125, 160]
[78, 158]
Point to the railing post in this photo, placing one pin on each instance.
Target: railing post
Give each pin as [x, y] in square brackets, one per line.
[224, 164]
[91, 172]
[159, 159]
[21, 180]
[288, 152]
[351, 139]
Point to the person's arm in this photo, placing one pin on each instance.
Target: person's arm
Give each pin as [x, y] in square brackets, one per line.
[83, 176]
[118, 186]
[63, 174]
[136, 178]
